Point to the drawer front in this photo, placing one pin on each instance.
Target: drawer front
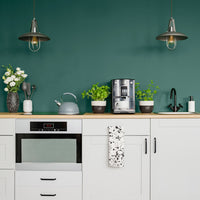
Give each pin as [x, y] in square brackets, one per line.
[45, 193]
[48, 178]
[7, 126]
[131, 126]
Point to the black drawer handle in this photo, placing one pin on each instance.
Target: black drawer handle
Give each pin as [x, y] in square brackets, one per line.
[47, 179]
[48, 195]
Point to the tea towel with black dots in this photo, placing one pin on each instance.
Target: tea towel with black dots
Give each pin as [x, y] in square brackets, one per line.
[116, 146]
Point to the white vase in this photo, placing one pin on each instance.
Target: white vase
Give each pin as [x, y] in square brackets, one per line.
[27, 106]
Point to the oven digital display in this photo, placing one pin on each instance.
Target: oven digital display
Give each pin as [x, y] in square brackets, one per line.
[48, 125]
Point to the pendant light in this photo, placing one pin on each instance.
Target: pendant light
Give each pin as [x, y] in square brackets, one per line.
[171, 36]
[34, 37]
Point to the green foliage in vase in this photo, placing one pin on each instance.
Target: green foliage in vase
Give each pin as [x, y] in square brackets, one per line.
[146, 94]
[13, 79]
[97, 93]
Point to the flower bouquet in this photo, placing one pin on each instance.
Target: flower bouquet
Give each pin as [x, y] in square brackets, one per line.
[13, 80]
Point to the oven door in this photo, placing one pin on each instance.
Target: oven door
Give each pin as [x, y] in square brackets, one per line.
[49, 151]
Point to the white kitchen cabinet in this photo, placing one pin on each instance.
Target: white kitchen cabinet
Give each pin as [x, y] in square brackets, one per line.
[40, 185]
[130, 182]
[103, 182]
[7, 126]
[175, 159]
[7, 153]
[7, 184]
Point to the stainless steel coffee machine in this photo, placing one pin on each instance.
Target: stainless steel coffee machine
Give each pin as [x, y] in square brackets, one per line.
[123, 95]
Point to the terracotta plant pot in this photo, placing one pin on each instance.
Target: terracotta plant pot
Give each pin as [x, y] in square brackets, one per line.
[98, 106]
[146, 106]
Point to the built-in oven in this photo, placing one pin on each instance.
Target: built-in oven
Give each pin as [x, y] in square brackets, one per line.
[47, 144]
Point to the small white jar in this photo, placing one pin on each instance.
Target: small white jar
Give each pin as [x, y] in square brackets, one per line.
[27, 106]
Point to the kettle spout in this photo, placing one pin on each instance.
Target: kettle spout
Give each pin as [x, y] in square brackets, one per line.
[57, 102]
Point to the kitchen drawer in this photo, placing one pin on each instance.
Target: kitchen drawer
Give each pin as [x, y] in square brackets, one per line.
[48, 178]
[131, 126]
[57, 193]
[7, 126]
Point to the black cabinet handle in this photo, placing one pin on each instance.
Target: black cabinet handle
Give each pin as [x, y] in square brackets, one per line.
[47, 179]
[48, 195]
[155, 146]
[145, 145]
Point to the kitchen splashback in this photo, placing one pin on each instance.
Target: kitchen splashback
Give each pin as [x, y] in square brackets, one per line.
[96, 41]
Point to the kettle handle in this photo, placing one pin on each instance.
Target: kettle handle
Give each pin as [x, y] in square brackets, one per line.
[68, 93]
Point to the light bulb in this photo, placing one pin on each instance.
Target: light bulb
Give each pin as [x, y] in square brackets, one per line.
[34, 40]
[171, 43]
[34, 44]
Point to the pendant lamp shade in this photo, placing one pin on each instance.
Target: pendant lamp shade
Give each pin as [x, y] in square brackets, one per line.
[34, 32]
[171, 36]
[34, 37]
[171, 32]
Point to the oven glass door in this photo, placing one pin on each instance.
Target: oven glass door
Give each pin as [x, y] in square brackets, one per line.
[48, 148]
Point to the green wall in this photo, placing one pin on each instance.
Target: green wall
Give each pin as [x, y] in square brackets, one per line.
[99, 40]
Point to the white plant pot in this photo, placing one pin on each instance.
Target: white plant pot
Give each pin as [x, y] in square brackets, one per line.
[98, 106]
[146, 106]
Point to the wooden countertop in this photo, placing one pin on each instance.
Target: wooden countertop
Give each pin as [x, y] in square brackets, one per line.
[98, 116]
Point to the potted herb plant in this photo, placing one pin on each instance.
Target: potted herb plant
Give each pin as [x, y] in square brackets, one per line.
[98, 96]
[13, 80]
[146, 96]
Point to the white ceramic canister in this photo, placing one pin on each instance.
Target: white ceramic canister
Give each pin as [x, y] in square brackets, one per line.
[191, 105]
[27, 106]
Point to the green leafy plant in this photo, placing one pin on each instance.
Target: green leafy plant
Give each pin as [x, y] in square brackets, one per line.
[146, 94]
[97, 93]
[13, 79]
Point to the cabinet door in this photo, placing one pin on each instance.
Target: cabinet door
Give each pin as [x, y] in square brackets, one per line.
[6, 184]
[7, 157]
[175, 171]
[103, 182]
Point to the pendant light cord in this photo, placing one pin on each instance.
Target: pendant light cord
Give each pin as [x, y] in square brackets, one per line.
[33, 8]
[171, 8]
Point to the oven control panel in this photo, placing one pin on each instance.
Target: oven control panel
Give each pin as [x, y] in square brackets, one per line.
[48, 126]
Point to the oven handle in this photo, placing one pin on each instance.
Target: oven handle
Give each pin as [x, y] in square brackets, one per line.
[47, 179]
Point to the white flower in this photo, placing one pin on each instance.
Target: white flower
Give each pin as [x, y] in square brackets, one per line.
[18, 69]
[13, 76]
[18, 72]
[9, 79]
[6, 89]
[16, 79]
[24, 75]
[7, 73]
[22, 71]
[6, 82]
[12, 84]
